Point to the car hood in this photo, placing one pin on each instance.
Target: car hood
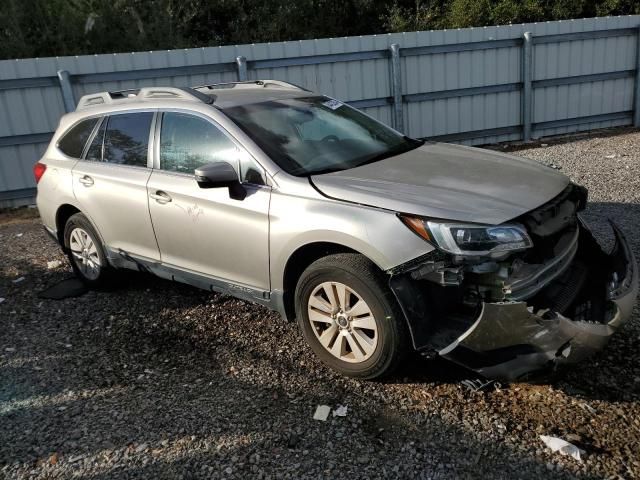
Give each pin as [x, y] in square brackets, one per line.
[451, 182]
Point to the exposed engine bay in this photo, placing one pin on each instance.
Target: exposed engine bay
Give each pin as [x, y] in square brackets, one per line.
[513, 313]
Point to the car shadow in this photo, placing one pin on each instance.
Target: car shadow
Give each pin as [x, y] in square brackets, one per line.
[162, 365]
[156, 393]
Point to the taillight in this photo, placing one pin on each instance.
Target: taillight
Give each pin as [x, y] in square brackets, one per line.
[38, 170]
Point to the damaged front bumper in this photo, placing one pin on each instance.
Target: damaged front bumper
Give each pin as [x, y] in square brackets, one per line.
[510, 340]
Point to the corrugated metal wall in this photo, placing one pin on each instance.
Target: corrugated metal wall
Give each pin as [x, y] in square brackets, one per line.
[461, 85]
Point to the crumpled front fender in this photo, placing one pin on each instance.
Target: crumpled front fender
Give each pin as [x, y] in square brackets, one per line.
[509, 340]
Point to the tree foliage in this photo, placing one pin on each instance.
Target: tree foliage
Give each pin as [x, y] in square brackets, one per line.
[38, 28]
[434, 14]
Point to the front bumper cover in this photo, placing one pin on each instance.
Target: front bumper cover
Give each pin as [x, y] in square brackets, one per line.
[508, 340]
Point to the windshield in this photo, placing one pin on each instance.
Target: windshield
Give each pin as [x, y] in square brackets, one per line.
[313, 135]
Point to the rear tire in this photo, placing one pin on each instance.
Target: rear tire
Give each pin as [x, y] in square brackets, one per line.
[349, 316]
[85, 252]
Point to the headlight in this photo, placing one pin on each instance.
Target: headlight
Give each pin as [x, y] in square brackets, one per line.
[470, 240]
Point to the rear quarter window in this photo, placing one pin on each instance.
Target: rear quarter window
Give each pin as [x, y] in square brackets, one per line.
[72, 143]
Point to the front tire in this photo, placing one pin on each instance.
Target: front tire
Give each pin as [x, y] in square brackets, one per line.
[349, 316]
[85, 251]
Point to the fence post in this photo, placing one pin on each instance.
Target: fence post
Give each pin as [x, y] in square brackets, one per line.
[241, 62]
[396, 88]
[527, 97]
[67, 92]
[636, 93]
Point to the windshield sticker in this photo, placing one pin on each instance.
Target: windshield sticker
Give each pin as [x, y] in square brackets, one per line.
[333, 104]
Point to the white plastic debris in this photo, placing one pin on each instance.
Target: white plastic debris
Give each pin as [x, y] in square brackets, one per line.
[2, 299]
[322, 413]
[565, 448]
[341, 411]
[613, 155]
[53, 264]
[19, 235]
[18, 280]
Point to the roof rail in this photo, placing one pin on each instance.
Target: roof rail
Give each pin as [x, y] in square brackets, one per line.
[145, 93]
[261, 83]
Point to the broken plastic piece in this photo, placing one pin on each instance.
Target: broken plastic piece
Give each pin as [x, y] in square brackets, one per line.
[70, 287]
[54, 264]
[17, 280]
[438, 273]
[2, 299]
[341, 411]
[476, 385]
[322, 413]
[565, 448]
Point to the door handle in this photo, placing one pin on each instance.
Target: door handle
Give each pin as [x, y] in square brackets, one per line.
[86, 180]
[160, 197]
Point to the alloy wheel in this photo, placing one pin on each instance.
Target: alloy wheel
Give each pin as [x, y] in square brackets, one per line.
[343, 322]
[85, 253]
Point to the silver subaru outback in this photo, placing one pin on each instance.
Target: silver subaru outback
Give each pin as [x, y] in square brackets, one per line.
[377, 243]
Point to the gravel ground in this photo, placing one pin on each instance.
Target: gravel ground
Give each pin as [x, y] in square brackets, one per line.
[159, 380]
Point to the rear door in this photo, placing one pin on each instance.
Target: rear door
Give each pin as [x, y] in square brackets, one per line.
[110, 183]
[204, 230]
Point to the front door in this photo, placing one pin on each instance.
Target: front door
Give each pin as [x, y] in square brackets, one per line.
[205, 231]
[110, 184]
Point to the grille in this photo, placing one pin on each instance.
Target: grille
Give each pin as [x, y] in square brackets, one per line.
[548, 223]
[531, 282]
[568, 286]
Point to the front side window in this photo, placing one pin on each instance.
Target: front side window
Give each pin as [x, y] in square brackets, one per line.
[313, 135]
[73, 142]
[188, 142]
[126, 138]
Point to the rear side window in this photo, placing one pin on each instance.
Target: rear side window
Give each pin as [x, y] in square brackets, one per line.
[188, 142]
[73, 142]
[126, 139]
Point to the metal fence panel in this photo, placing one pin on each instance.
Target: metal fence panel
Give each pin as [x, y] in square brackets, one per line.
[584, 57]
[463, 85]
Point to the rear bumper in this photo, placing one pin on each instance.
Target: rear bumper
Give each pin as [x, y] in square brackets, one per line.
[508, 340]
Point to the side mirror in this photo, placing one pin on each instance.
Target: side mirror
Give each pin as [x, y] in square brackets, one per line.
[218, 175]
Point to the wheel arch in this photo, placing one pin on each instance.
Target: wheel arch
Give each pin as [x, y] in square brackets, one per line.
[299, 260]
[63, 213]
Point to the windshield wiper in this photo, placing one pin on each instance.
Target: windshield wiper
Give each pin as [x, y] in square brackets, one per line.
[326, 170]
[411, 144]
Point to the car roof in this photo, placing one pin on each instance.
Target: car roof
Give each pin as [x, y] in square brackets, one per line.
[222, 95]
